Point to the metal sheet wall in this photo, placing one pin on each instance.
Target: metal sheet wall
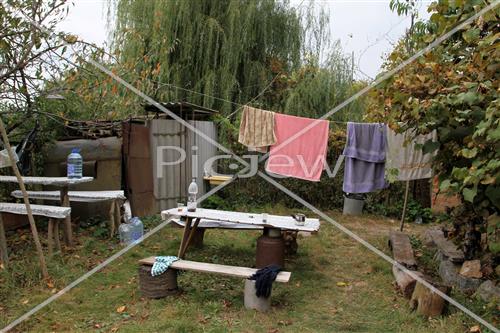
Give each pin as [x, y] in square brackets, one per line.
[171, 181]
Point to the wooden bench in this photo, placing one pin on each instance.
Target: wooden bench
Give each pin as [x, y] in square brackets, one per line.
[117, 199]
[54, 213]
[251, 301]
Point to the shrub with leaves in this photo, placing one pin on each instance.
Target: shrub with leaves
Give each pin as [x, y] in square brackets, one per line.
[453, 89]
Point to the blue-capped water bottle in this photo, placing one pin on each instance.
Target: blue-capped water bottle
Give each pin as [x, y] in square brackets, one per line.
[75, 164]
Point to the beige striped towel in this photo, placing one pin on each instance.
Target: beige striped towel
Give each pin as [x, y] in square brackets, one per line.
[257, 129]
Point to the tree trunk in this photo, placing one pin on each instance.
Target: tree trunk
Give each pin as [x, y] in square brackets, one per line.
[426, 302]
[405, 281]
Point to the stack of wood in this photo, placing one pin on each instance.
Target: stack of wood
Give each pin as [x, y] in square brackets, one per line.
[422, 299]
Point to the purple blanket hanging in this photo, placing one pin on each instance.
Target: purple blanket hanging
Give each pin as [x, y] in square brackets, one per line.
[364, 158]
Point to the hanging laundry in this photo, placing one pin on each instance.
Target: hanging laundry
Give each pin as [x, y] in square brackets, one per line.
[364, 152]
[304, 156]
[5, 159]
[257, 129]
[403, 155]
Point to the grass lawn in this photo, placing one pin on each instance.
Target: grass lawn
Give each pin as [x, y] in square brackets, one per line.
[336, 286]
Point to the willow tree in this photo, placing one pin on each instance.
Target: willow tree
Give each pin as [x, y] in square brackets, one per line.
[224, 48]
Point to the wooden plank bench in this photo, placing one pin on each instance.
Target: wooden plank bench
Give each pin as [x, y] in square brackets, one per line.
[251, 301]
[54, 213]
[117, 199]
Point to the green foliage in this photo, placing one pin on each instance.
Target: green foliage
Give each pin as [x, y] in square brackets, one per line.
[415, 210]
[215, 202]
[453, 90]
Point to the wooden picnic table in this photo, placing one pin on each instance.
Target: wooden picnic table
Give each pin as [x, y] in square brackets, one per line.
[272, 222]
[63, 183]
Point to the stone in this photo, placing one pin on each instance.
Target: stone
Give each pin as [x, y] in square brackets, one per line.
[448, 272]
[471, 269]
[475, 329]
[488, 292]
[497, 271]
[434, 238]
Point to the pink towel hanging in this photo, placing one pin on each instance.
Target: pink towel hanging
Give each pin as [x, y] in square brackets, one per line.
[304, 156]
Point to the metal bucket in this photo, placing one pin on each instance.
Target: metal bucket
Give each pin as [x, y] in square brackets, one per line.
[353, 206]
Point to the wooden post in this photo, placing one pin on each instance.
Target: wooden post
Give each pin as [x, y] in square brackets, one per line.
[191, 234]
[118, 215]
[56, 235]
[3, 244]
[185, 236]
[50, 237]
[112, 219]
[34, 231]
[68, 234]
[405, 281]
[426, 302]
[404, 205]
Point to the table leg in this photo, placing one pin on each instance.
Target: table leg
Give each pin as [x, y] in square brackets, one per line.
[112, 219]
[118, 214]
[56, 235]
[68, 236]
[185, 236]
[191, 234]
[3, 244]
[50, 237]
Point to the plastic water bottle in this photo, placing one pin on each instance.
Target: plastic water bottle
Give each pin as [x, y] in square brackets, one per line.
[192, 192]
[125, 231]
[75, 164]
[137, 228]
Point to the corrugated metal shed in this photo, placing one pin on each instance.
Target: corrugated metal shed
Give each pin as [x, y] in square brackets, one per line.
[168, 138]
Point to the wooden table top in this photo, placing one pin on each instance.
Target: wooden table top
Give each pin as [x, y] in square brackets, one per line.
[56, 181]
[273, 221]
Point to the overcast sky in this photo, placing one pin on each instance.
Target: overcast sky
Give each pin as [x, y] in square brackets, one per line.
[366, 28]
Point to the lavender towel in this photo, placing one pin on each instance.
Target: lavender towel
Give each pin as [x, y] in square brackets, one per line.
[365, 158]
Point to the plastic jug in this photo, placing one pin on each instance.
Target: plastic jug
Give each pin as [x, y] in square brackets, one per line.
[125, 231]
[75, 164]
[137, 229]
